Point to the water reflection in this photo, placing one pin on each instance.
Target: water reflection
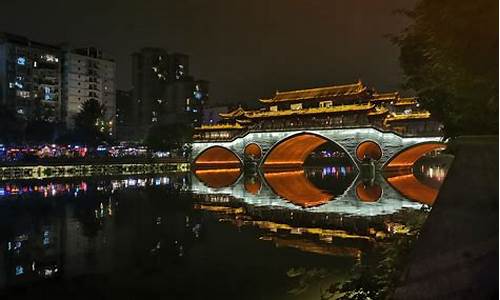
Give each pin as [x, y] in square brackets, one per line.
[335, 188]
[174, 236]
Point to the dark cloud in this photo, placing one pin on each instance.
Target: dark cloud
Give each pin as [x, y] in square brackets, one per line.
[246, 48]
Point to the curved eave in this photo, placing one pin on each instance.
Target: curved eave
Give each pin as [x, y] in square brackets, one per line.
[219, 127]
[309, 112]
[423, 116]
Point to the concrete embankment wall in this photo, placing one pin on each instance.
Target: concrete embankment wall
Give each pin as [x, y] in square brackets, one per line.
[456, 256]
[82, 170]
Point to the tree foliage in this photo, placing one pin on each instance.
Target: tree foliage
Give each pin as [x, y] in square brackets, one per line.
[449, 54]
[90, 125]
[169, 136]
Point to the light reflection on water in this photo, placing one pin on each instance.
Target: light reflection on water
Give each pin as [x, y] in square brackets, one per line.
[213, 233]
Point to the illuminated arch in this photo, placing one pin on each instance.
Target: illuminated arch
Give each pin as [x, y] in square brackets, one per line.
[294, 187]
[218, 178]
[368, 193]
[368, 149]
[410, 187]
[253, 150]
[252, 185]
[217, 157]
[292, 151]
[408, 156]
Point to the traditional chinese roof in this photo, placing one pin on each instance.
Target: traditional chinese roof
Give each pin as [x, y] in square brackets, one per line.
[322, 93]
[378, 111]
[238, 112]
[406, 101]
[243, 121]
[382, 97]
[412, 116]
[309, 111]
[220, 126]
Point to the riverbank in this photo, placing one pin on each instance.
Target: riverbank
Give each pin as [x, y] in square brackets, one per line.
[456, 256]
[92, 168]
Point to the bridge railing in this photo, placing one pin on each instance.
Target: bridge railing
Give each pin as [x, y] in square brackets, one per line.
[259, 128]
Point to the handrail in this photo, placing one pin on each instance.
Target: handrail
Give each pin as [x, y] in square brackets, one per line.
[262, 130]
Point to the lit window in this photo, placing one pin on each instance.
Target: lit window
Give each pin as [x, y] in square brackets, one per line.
[198, 95]
[296, 106]
[273, 108]
[19, 270]
[50, 58]
[23, 94]
[21, 61]
[326, 104]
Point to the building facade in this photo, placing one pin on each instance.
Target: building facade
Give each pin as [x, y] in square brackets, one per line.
[30, 78]
[124, 114]
[163, 90]
[87, 74]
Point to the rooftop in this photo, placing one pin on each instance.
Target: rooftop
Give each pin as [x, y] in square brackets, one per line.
[325, 93]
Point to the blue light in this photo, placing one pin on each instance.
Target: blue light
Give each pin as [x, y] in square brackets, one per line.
[21, 61]
[47, 95]
[19, 270]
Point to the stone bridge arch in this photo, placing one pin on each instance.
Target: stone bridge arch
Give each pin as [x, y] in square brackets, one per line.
[406, 157]
[349, 139]
[293, 150]
[217, 157]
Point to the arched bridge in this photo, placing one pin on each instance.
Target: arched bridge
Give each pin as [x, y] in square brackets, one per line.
[290, 148]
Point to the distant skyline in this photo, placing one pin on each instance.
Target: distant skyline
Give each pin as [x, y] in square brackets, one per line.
[246, 49]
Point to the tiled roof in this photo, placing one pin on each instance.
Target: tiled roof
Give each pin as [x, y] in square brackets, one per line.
[322, 93]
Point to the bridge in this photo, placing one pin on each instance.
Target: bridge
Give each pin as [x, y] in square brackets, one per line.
[291, 189]
[289, 148]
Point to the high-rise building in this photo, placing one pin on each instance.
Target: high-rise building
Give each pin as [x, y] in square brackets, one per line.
[30, 78]
[124, 114]
[88, 74]
[163, 90]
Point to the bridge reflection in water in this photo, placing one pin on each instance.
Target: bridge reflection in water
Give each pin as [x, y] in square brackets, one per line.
[336, 189]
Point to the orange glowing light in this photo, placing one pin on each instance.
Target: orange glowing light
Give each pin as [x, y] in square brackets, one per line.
[253, 150]
[368, 149]
[368, 193]
[253, 186]
[296, 188]
[409, 186]
[217, 157]
[218, 178]
[294, 151]
[409, 156]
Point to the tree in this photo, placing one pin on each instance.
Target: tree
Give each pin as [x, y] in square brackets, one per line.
[90, 126]
[449, 57]
[171, 137]
[40, 131]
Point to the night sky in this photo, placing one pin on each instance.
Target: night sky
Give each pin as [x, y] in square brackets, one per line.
[246, 49]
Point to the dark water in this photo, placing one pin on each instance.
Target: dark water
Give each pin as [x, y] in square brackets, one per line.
[211, 235]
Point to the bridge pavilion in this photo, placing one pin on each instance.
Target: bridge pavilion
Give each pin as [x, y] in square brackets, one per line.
[335, 106]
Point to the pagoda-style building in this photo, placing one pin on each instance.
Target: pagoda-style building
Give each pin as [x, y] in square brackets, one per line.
[337, 106]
